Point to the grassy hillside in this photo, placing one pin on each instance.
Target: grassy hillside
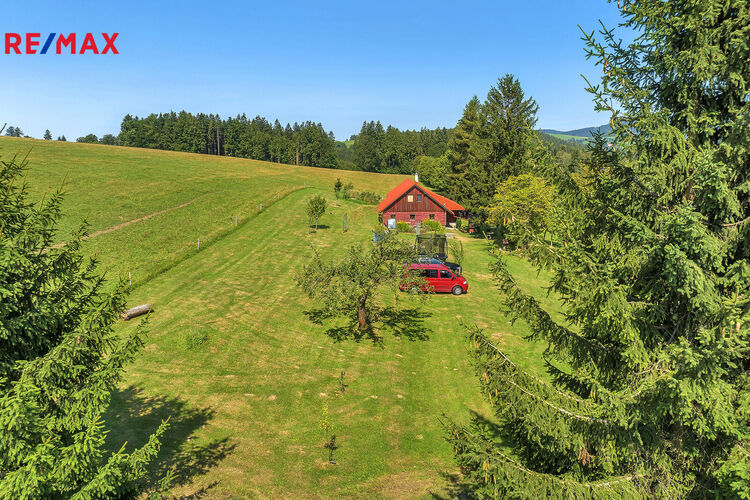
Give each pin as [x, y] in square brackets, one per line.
[567, 137]
[232, 357]
[185, 197]
[580, 135]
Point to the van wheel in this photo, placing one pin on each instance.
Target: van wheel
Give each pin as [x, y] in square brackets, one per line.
[414, 290]
[457, 290]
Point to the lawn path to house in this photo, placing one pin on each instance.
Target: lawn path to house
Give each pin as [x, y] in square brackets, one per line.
[245, 402]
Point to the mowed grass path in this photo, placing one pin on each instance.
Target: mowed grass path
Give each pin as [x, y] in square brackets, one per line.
[245, 404]
[250, 397]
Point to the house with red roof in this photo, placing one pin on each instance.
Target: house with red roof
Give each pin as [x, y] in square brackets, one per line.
[411, 202]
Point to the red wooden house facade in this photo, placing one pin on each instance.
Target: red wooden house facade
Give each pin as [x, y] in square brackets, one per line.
[410, 202]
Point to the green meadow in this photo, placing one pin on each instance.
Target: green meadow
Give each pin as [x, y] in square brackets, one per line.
[232, 357]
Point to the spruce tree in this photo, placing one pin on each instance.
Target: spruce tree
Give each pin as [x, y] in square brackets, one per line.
[492, 141]
[47, 135]
[459, 153]
[648, 391]
[59, 359]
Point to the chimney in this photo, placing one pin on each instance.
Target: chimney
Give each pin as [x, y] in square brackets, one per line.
[416, 177]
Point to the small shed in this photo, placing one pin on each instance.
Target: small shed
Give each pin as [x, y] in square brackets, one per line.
[412, 203]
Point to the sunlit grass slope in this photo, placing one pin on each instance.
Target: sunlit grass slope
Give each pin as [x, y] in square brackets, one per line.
[231, 356]
[185, 197]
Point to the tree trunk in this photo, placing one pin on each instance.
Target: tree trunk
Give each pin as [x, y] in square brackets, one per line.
[136, 311]
[362, 317]
[362, 313]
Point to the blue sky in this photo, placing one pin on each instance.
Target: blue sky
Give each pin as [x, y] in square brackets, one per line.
[409, 64]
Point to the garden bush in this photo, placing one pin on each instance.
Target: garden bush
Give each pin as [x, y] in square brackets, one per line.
[433, 226]
[404, 227]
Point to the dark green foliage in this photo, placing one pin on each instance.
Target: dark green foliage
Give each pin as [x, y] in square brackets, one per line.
[109, 140]
[337, 187]
[650, 253]
[301, 144]
[89, 139]
[61, 138]
[493, 140]
[391, 150]
[59, 359]
[368, 147]
[47, 135]
[345, 156]
[13, 132]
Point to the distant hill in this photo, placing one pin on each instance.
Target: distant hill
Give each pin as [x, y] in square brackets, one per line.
[578, 135]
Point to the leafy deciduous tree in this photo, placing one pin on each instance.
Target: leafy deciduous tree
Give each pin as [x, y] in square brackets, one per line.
[316, 207]
[523, 199]
[348, 288]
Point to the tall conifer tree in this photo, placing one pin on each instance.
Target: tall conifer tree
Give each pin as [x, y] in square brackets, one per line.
[459, 153]
[649, 393]
[59, 359]
[491, 142]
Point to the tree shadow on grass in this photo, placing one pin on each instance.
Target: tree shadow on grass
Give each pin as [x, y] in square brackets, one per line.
[454, 487]
[455, 484]
[312, 227]
[133, 416]
[406, 322]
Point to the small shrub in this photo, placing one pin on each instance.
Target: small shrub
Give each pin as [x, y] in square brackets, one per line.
[433, 225]
[337, 187]
[195, 337]
[368, 197]
[347, 190]
[404, 227]
[456, 251]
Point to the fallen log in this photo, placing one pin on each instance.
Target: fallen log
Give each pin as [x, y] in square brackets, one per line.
[136, 311]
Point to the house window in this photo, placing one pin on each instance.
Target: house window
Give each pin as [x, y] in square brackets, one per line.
[410, 198]
[411, 216]
[393, 216]
[419, 198]
[432, 216]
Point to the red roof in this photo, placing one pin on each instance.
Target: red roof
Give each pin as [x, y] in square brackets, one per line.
[405, 186]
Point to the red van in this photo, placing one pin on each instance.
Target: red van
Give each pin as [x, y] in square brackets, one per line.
[439, 279]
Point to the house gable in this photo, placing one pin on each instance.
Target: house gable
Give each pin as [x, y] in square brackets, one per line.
[428, 202]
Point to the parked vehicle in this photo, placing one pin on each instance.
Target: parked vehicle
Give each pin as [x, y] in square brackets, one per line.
[425, 259]
[439, 279]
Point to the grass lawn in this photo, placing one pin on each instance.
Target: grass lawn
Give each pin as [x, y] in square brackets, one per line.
[231, 356]
[186, 196]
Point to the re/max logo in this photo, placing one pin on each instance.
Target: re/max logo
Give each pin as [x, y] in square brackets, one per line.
[14, 43]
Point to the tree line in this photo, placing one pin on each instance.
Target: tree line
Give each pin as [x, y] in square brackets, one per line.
[304, 143]
[390, 150]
